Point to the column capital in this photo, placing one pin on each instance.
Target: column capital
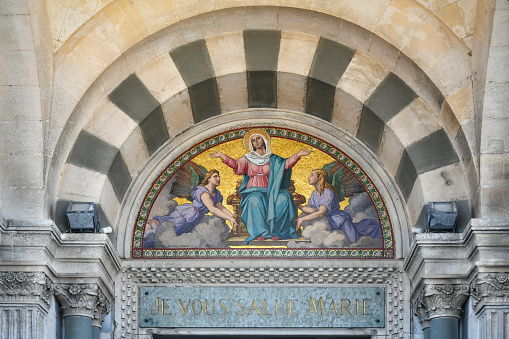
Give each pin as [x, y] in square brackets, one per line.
[444, 300]
[490, 289]
[421, 311]
[80, 299]
[103, 307]
[25, 287]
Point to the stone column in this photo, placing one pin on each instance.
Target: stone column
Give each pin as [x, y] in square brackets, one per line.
[443, 304]
[81, 304]
[491, 301]
[24, 301]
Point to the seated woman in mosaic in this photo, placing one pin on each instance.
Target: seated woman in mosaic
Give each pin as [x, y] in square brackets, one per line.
[205, 198]
[324, 201]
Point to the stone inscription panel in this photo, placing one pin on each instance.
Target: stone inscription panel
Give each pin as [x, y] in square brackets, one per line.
[208, 306]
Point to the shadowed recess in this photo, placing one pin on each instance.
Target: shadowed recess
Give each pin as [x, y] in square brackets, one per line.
[154, 131]
[390, 97]
[320, 99]
[406, 175]
[119, 176]
[371, 129]
[262, 49]
[193, 62]
[91, 152]
[204, 100]
[330, 61]
[262, 89]
[132, 97]
[432, 151]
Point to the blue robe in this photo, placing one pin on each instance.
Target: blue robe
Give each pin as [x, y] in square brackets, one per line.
[269, 211]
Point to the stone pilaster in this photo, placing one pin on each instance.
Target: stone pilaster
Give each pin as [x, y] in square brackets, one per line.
[444, 300]
[78, 299]
[491, 301]
[24, 301]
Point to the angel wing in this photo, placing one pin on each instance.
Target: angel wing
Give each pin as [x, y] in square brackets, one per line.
[187, 178]
[344, 182]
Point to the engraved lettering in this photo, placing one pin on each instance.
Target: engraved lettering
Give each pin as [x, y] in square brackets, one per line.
[284, 308]
[164, 307]
[225, 309]
[265, 308]
[157, 307]
[213, 307]
[241, 306]
[345, 307]
[364, 306]
[332, 307]
[182, 306]
[290, 307]
[312, 303]
[253, 308]
[193, 308]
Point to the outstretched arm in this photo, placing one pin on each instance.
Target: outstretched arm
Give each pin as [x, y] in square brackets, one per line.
[218, 154]
[291, 161]
[206, 198]
[322, 210]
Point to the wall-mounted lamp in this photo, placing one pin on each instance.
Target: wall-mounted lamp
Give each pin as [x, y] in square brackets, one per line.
[441, 217]
[82, 217]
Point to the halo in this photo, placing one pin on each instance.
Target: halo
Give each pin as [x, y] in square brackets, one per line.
[247, 137]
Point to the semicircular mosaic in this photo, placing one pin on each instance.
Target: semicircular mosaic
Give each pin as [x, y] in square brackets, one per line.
[263, 192]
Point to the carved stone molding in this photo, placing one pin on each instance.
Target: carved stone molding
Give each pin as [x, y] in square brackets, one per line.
[103, 307]
[444, 300]
[490, 289]
[26, 287]
[133, 277]
[80, 300]
[421, 311]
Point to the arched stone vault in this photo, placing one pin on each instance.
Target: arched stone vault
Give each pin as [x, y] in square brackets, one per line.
[395, 91]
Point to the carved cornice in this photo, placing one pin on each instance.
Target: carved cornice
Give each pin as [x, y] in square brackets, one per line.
[490, 288]
[444, 300]
[79, 299]
[25, 287]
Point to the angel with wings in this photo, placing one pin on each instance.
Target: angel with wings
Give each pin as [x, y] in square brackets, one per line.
[199, 186]
[332, 184]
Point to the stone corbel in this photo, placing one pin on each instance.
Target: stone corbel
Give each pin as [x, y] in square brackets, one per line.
[26, 288]
[80, 299]
[490, 289]
[444, 300]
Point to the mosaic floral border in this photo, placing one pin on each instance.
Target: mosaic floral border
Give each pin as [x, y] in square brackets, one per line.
[249, 253]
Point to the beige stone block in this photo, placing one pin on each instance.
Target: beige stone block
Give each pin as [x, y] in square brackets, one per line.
[15, 33]
[494, 170]
[167, 39]
[294, 19]
[429, 42]
[98, 50]
[21, 137]
[332, 7]
[18, 68]
[390, 151]
[296, 52]
[262, 17]
[365, 13]
[354, 36]
[484, 21]
[468, 12]
[157, 14]
[449, 120]
[415, 203]
[230, 20]
[23, 202]
[80, 184]
[399, 21]
[56, 14]
[75, 75]
[73, 20]
[325, 25]
[161, 77]
[10, 7]
[178, 113]
[362, 76]
[110, 205]
[122, 23]
[462, 103]
[223, 4]
[22, 170]
[437, 4]
[110, 124]
[291, 91]
[115, 74]
[227, 53]
[232, 92]
[190, 8]
[262, 3]
[451, 16]
[140, 54]
[134, 151]
[86, 6]
[444, 184]
[414, 122]
[453, 71]
[424, 3]
[20, 103]
[346, 112]
[498, 64]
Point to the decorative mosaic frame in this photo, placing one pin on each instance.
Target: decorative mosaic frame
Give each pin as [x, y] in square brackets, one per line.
[387, 252]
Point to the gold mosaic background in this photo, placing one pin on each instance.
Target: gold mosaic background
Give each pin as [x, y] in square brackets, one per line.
[282, 147]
